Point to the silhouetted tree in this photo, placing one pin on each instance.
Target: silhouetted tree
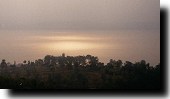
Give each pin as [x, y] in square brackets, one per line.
[3, 64]
[76, 72]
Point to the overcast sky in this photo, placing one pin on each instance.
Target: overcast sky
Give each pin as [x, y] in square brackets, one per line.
[118, 29]
[79, 14]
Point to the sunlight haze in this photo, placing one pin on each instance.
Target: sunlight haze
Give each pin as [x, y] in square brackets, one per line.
[110, 29]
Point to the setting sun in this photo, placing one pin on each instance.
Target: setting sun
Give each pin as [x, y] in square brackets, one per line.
[65, 45]
[70, 43]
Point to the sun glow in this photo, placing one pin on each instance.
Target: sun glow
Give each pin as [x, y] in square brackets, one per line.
[71, 43]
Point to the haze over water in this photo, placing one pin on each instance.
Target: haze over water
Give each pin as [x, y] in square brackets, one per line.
[109, 29]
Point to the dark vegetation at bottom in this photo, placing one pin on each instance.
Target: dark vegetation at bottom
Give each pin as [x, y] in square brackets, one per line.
[80, 72]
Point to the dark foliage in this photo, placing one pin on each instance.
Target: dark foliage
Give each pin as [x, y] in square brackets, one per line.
[79, 72]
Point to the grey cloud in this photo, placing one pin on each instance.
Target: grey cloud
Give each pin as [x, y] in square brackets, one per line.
[79, 14]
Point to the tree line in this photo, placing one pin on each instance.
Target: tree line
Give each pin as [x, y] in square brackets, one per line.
[79, 72]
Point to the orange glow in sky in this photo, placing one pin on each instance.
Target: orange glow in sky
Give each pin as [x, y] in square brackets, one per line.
[128, 30]
[71, 43]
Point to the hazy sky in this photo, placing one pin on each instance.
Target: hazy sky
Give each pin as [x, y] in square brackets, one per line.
[118, 29]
